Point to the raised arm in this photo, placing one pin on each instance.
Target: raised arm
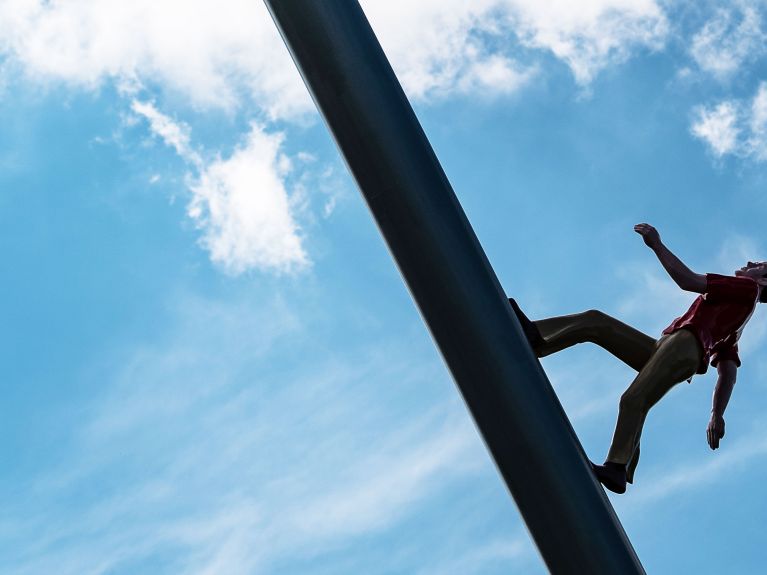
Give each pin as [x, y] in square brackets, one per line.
[728, 371]
[684, 277]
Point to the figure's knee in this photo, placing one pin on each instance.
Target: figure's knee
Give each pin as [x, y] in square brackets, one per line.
[597, 317]
[633, 401]
[595, 324]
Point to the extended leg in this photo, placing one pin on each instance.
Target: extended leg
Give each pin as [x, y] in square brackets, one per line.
[623, 341]
[676, 358]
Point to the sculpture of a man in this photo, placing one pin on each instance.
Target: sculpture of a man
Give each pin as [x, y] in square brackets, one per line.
[707, 333]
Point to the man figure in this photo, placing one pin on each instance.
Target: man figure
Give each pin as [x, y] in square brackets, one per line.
[708, 332]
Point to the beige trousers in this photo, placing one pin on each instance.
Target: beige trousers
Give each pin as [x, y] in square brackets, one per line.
[660, 364]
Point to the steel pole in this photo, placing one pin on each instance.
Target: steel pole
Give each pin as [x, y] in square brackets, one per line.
[454, 287]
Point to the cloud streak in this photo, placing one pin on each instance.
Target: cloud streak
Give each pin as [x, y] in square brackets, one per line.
[690, 475]
[177, 135]
[205, 453]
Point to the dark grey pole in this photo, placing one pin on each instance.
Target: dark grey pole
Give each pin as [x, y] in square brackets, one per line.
[456, 290]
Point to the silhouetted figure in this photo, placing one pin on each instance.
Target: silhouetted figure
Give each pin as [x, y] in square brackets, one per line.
[707, 333]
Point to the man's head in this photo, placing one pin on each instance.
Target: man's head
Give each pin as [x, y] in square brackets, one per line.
[756, 271]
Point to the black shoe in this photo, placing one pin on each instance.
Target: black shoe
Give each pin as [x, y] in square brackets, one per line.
[534, 337]
[611, 475]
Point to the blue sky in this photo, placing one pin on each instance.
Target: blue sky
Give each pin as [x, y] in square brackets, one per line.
[209, 362]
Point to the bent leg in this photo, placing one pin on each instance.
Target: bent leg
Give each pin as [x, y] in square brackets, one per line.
[676, 358]
[629, 345]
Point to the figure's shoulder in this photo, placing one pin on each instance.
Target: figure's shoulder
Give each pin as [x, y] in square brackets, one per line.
[730, 287]
[728, 279]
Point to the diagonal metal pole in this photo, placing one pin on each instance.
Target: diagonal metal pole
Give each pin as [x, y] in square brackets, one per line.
[456, 290]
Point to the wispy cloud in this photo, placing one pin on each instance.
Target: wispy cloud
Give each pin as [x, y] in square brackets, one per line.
[200, 445]
[652, 299]
[732, 37]
[175, 134]
[717, 467]
[484, 556]
[588, 383]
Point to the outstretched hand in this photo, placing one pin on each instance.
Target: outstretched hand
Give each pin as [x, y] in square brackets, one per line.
[715, 431]
[649, 234]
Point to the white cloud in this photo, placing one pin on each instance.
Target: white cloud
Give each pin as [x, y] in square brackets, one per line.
[735, 127]
[718, 127]
[439, 46]
[218, 54]
[732, 37]
[243, 208]
[591, 35]
[228, 53]
[240, 203]
[494, 74]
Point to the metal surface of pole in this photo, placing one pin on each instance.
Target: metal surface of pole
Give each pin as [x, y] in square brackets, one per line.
[454, 287]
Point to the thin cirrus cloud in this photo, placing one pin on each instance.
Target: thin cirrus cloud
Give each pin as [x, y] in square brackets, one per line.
[186, 421]
[718, 468]
[177, 135]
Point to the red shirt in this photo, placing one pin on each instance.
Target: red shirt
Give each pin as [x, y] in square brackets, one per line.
[718, 316]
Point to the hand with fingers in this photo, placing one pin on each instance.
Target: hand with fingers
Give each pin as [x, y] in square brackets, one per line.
[649, 234]
[715, 431]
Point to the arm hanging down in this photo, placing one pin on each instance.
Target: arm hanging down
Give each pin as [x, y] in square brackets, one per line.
[684, 277]
[728, 371]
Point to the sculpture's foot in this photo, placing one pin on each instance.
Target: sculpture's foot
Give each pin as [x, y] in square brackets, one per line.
[611, 475]
[534, 336]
